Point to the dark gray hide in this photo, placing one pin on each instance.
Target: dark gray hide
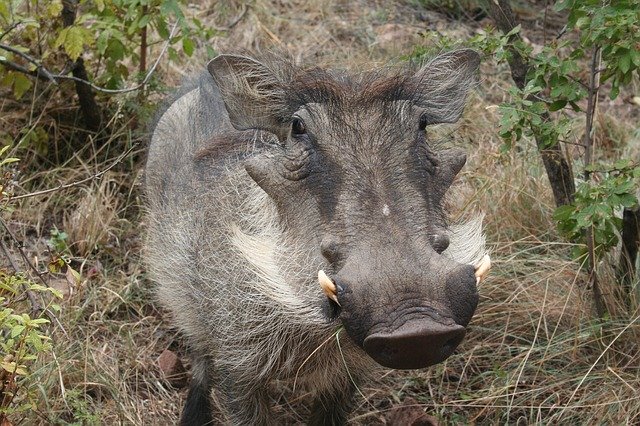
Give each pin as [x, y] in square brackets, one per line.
[265, 174]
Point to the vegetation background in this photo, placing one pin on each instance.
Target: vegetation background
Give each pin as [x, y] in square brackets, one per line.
[82, 341]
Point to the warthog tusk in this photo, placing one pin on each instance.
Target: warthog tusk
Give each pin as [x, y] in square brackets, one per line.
[482, 268]
[328, 286]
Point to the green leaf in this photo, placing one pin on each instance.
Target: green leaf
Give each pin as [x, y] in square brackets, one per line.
[563, 4]
[4, 10]
[171, 7]
[54, 9]
[635, 57]
[563, 212]
[187, 46]
[582, 22]
[628, 200]
[515, 30]
[615, 91]
[115, 50]
[73, 39]
[16, 330]
[12, 367]
[624, 188]
[21, 84]
[624, 63]
[102, 42]
[144, 21]
[557, 105]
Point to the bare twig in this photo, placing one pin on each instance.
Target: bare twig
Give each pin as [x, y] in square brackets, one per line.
[580, 144]
[562, 32]
[592, 105]
[30, 59]
[233, 23]
[42, 73]
[79, 182]
[143, 45]
[35, 305]
[10, 28]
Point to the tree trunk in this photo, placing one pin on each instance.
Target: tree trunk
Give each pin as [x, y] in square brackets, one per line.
[556, 165]
[629, 253]
[91, 114]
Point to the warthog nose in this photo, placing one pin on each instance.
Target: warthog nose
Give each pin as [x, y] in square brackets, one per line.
[416, 344]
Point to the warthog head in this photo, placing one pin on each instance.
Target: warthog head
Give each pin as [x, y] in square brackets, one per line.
[353, 173]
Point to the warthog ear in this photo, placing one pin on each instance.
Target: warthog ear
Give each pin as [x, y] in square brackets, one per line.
[252, 93]
[442, 84]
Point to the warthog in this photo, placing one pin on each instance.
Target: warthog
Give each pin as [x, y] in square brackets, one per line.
[296, 230]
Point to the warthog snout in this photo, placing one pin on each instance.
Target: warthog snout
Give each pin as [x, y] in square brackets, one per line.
[404, 314]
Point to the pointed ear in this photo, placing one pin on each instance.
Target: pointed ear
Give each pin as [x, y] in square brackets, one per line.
[252, 93]
[441, 86]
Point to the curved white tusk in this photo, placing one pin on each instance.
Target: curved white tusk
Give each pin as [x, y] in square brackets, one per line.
[482, 268]
[328, 286]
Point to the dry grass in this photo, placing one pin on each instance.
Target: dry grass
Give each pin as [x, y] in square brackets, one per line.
[534, 353]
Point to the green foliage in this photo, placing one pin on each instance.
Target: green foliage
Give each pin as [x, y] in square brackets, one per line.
[24, 340]
[556, 90]
[80, 409]
[615, 27]
[58, 241]
[554, 78]
[434, 43]
[110, 31]
[596, 204]
[24, 334]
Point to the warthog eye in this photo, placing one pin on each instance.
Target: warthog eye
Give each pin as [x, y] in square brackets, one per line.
[298, 127]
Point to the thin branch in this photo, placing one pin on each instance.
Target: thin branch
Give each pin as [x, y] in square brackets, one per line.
[35, 305]
[592, 105]
[572, 143]
[42, 73]
[15, 67]
[11, 28]
[30, 59]
[79, 182]
[562, 32]
[233, 23]
[580, 82]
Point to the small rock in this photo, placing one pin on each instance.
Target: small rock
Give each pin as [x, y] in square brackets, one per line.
[410, 413]
[63, 286]
[172, 369]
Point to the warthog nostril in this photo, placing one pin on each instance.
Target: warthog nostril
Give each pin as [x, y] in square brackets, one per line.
[416, 344]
